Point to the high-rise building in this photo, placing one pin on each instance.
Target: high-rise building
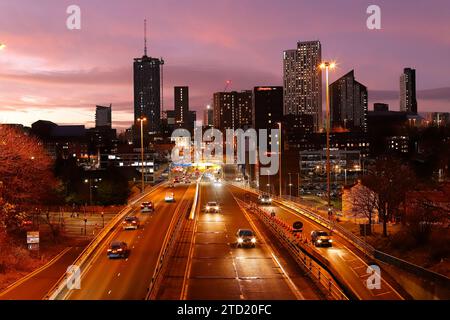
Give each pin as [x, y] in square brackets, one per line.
[244, 109]
[408, 100]
[232, 110]
[103, 116]
[224, 110]
[181, 106]
[303, 81]
[208, 117]
[147, 90]
[348, 103]
[267, 107]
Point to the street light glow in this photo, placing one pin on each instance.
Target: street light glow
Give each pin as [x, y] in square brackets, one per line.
[2, 46]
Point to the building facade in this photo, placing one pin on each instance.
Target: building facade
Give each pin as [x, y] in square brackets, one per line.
[408, 99]
[303, 81]
[348, 103]
[103, 116]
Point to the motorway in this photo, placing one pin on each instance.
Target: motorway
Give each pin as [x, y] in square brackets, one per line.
[350, 266]
[217, 269]
[129, 279]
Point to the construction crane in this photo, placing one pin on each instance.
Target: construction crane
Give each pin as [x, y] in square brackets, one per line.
[227, 85]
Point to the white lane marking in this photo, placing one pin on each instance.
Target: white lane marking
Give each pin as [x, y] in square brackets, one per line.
[109, 292]
[118, 274]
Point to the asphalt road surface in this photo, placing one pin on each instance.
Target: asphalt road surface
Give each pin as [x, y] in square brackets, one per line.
[219, 270]
[128, 279]
[351, 267]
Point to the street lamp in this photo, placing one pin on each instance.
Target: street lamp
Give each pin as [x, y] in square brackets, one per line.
[142, 120]
[2, 46]
[279, 154]
[327, 66]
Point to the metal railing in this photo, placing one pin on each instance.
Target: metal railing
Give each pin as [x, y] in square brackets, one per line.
[166, 249]
[60, 289]
[316, 217]
[293, 244]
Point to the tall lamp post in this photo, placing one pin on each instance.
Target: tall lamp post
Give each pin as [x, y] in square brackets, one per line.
[327, 66]
[142, 120]
[279, 154]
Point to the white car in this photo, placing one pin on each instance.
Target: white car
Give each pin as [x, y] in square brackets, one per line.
[169, 197]
[212, 206]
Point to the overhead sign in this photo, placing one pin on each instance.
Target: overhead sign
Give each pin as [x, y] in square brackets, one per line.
[32, 237]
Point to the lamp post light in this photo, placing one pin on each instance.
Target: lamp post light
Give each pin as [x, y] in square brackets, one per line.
[279, 155]
[327, 66]
[2, 46]
[142, 120]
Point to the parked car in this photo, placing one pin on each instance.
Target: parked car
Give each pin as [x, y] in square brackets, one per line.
[245, 238]
[118, 249]
[131, 222]
[147, 206]
[321, 238]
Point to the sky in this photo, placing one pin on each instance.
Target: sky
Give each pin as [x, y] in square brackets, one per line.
[50, 72]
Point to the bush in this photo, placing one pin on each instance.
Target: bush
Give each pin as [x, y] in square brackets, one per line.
[403, 241]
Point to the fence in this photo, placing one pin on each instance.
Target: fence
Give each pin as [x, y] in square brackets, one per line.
[294, 243]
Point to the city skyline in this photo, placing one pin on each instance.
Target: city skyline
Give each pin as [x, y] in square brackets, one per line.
[34, 76]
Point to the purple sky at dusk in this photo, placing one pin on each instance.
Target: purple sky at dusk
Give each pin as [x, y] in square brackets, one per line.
[52, 73]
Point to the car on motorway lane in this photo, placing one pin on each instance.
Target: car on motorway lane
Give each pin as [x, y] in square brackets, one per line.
[212, 206]
[131, 222]
[265, 199]
[245, 238]
[147, 206]
[321, 238]
[169, 197]
[118, 249]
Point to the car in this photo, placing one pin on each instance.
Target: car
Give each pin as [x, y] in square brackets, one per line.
[176, 180]
[265, 199]
[147, 206]
[217, 183]
[245, 238]
[187, 181]
[131, 222]
[169, 197]
[118, 249]
[321, 238]
[212, 206]
[238, 179]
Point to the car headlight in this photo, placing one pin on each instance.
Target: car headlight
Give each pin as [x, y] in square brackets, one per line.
[331, 240]
[253, 240]
[207, 208]
[319, 241]
[240, 240]
[270, 200]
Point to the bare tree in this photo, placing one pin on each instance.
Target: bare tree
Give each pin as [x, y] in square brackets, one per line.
[365, 202]
[390, 179]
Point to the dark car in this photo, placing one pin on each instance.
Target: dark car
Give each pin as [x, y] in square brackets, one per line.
[321, 238]
[118, 249]
[130, 222]
[245, 238]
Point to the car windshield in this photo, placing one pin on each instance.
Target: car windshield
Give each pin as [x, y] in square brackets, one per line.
[116, 245]
[130, 219]
[146, 204]
[212, 204]
[322, 234]
[245, 233]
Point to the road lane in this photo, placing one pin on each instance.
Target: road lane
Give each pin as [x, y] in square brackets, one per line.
[128, 279]
[350, 266]
[240, 273]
